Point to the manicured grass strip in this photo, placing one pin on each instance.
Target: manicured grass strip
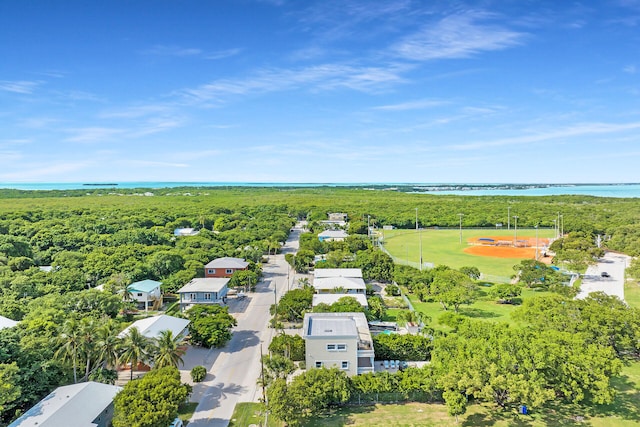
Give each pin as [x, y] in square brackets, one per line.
[186, 410]
[632, 293]
[248, 413]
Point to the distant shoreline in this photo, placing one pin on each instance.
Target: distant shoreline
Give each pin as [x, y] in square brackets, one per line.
[620, 190]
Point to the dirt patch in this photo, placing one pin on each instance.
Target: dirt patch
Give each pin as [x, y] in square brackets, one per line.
[502, 241]
[501, 251]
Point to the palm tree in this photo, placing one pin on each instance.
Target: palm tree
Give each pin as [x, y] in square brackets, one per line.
[169, 350]
[135, 348]
[417, 317]
[87, 342]
[69, 340]
[108, 344]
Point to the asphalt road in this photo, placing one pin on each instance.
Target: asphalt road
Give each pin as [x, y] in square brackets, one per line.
[233, 370]
[592, 281]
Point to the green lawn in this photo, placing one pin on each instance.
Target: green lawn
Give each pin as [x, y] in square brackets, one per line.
[443, 247]
[624, 412]
[632, 293]
[186, 410]
[485, 308]
[247, 413]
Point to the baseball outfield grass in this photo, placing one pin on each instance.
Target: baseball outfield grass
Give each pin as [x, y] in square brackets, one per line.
[444, 247]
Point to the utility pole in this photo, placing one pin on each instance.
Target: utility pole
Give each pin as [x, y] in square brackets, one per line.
[508, 217]
[558, 227]
[561, 225]
[416, 219]
[515, 236]
[460, 215]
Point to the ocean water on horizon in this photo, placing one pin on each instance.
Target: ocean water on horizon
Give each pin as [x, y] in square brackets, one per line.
[599, 190]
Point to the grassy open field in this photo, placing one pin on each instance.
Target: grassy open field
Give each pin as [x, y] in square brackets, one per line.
[484, 308]
[443, 247]
[623, 412]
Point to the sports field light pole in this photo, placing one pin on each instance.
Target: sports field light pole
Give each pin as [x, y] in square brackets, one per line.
[515, 236]
[555, 228]
[508, 217]
[561, 225]
[420, 233]
[416, 219]
[460, 215]
[536, 242]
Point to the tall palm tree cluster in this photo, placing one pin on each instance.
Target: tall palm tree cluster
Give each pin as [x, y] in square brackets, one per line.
[94, 345]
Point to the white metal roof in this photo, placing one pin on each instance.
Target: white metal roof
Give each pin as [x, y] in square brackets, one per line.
[348, 283]
[337, 272]
[335, 234]
[205, 284]
[76, 405]
[5, 322]
[151, 326]
[227, 262]
[336, 324]
[332, 298]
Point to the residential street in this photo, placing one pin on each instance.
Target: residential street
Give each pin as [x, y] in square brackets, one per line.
[593, 281]
[234, 369]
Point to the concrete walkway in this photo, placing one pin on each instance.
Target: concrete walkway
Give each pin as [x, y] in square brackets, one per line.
[612, 263]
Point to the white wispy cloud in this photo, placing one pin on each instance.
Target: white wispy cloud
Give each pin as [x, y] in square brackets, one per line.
[172, 50]
[44, 171]
[631, 69]
[412, 105]
[157, 163]
[582, 129]
[155, 125]
[135, 111]
[93, 134]
[314, 78]
[457, 36]
[20, 86]
[221, 54]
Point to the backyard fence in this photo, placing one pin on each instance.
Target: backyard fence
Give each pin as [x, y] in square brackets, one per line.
[394, 397]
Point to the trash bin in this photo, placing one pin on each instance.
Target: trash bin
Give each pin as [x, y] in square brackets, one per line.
[523, 409]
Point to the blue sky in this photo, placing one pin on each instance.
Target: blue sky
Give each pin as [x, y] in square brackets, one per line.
[320, 91]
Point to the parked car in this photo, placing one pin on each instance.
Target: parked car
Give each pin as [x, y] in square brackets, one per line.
[241, 295]
[605, 274]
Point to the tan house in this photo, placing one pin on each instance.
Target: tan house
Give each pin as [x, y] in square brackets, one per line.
[339, 340]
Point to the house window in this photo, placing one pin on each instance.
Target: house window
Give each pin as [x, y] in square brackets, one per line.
[336, 347]
[207, 296]
[345, 365]
[193, 296]
[229, 271]
[318, 364]
[211, 271]
[139, 294]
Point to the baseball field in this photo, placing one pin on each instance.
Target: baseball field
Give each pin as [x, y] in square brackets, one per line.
[493, 251]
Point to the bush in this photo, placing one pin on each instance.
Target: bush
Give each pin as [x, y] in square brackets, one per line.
[198, 373]
[392, 290]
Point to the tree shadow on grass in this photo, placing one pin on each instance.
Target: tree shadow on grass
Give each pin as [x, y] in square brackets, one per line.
[626, 404]
[340, 416]
[477, 313]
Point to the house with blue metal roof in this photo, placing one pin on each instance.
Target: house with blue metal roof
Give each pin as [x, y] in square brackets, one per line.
[146, 293]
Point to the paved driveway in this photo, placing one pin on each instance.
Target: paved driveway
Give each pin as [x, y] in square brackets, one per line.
[592, 281]
[233, 370]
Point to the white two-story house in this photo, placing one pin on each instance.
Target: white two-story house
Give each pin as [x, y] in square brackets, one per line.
[339, 340]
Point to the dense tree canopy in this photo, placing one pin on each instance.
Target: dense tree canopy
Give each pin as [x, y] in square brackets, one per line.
[151, 401]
